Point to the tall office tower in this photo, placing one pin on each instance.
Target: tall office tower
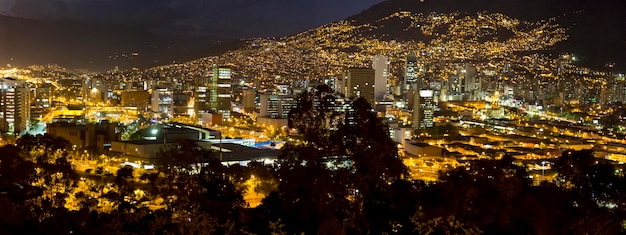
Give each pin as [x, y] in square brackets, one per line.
[163, 101]
[412, 87]
[456, 87]
[14, 106]
[213, 92]
[359, 82]
[340, 85]
[380, 64]
[222, 76]
[443, 94]
[424, 110]
[411, 81]
[204, 96]
[427, 108]
[416, 107]
[94, 91]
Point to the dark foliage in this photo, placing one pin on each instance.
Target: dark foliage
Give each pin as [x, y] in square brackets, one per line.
[348, 180]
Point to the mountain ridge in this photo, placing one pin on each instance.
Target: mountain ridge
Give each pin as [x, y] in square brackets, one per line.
[582, 20]
[595, 28]
[96, 47]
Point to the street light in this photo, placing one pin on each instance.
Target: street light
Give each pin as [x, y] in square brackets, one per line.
[155, 131]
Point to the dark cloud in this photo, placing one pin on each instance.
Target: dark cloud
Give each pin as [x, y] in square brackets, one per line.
[241, 18]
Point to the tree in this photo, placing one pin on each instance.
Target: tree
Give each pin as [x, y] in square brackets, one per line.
[341, 175]
[572, 166]
[483, 195]
[308, 121]
[44, 148]
[268, 182]
[218, 195]
[310, 198]
[16, 176]
[185, 157]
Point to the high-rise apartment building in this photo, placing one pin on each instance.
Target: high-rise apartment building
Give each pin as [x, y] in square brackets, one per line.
[618, 86]
[359, 82]
[14, 106]
[40, 100]
[463, 84]
[276, 106]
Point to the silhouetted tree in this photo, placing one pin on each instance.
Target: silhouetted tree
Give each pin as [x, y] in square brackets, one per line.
[572, 165]
[341, 177]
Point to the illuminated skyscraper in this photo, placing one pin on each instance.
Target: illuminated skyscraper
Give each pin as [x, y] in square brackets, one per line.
[213, 92]
[380, 64]
[423, 110]
[203, 96]
[412, 87]
[14, 106]
[411, 80]
[427, 108]
[222, 76]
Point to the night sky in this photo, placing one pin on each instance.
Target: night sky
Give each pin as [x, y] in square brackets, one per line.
[229, 18]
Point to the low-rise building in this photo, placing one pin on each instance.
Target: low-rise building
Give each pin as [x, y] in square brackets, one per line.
[423, 149]
[95, 135]
[139, 150]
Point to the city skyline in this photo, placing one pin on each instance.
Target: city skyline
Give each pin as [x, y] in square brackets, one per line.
[412, 117]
